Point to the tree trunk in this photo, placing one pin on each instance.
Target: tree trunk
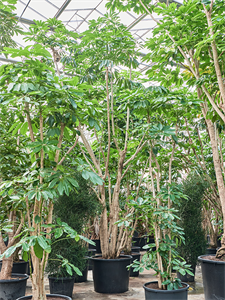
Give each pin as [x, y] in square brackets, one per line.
[37, 278]
[7, 264]
[114, 211]
[218, 171]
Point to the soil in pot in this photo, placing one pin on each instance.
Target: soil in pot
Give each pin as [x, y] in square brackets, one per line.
[152, 292]
[49, 297]
[62, 286]
[19, 267]
[213, 274]
[111, 275]
[13, 288]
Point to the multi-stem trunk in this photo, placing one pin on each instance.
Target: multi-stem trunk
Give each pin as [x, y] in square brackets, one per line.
[217, 166]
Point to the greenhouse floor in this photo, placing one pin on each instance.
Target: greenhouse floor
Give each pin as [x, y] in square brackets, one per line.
[85, 290]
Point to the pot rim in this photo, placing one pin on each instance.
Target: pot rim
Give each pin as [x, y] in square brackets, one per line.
[51, 295]
[165, 291]
[202, 259]
[25, 277]
[60, 278]
[122, 258]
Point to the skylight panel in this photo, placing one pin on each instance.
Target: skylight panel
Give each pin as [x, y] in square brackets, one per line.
[67, 15]
[44, 8]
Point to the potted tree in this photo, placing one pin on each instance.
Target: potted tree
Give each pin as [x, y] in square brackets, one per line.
[196, 52]
[104, 45]
[47, 110]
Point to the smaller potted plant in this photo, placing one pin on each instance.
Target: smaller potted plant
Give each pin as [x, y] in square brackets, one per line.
[190, 214]
[165, 258]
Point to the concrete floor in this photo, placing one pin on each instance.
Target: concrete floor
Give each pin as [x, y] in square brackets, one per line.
[85, 290]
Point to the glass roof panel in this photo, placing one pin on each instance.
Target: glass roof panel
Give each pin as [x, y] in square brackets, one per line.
[75, 14]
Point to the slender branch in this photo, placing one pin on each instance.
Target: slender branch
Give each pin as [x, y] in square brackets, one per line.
[59, 143]
[90, 151]
[139, 148]
[86, 158]
[112, 116]
[108, 122]
[69, 151]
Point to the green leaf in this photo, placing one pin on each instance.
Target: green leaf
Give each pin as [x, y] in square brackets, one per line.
[25, 247]
[76, 270]
[25, 256]
[37, 219]
[58, 232]
[23, 129]
[24, 87]
[85, 174]
[73, 103]
[69, 270]
[9, 251]
[42, 242]
[91, 121]
[73, 182]
[38, 250]
[60, 188]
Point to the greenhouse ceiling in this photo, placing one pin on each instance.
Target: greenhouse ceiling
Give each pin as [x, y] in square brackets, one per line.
[75, 14]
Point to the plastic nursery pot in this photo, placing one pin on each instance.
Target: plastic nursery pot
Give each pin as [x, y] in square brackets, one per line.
[187, 277]
[62, 286]
[82, 278]
[211, 251]
[140, 242]
[111, 275]
[91, 252]
[213, 274]
[54, 296]
[19, 267]
[135, 249]
[135, 256]
[13, 288]
[153, 294]
[97, 246]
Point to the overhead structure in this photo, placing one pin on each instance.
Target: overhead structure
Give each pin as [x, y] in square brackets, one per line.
[75, 14]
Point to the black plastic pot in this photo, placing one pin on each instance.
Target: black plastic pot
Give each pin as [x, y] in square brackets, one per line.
[139, 242]
[213, 274]
[111, 275]
[152, 294]
[135, 249]
[48, 295]
[97, 246]
[211, 251]
[18, 267]
[62, 286]
[134, 257]
[82, 278]
[13, 288]
[187, 277]
[91, 252]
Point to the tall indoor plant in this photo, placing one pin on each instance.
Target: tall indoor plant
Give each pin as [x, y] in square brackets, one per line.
[46, 103]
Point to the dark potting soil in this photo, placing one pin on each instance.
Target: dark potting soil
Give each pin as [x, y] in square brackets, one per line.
[154, 286]
[209, 257]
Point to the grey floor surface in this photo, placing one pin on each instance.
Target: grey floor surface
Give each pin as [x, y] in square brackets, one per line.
[85, 290]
